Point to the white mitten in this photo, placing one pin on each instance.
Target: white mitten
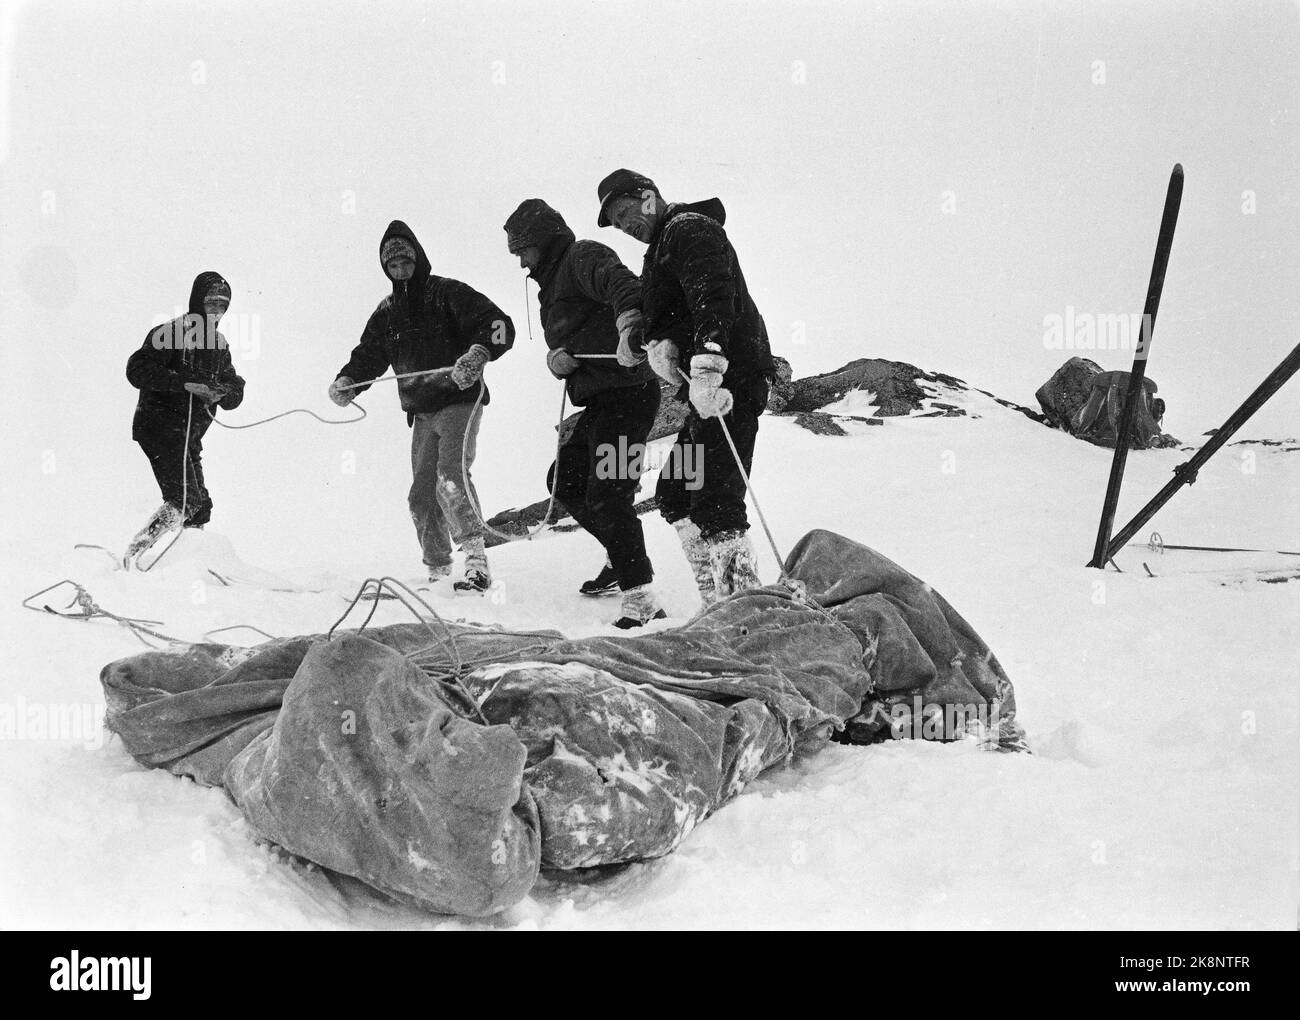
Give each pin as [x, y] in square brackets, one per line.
[708, 396]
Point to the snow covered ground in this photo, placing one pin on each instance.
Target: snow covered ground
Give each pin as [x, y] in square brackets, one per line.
[1163, 711]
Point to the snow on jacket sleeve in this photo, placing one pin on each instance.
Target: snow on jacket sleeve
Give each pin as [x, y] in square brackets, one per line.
[478, 320]
[149, 368]
[602, 277]
[369, 359]
[229, 379]
[697, 251]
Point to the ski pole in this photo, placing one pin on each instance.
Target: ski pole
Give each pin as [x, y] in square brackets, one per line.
[749, 486]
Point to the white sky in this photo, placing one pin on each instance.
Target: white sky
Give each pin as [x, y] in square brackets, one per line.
[177, 137]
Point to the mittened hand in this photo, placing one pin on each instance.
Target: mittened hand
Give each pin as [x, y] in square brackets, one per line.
[340, 391]
[664, 359]
[469, 366]
[631, 339]
[710, 399]
[708, 364]
[561, 363]
[708, 396]
[204, 392]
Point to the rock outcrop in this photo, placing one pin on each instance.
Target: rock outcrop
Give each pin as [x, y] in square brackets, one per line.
[897, 389]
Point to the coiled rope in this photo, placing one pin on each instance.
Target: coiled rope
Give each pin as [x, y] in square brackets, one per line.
[447, 670]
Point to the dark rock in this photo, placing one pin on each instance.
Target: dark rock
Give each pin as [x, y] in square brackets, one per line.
[896, 386]
[820, 422]
[779, 393]
[1041, 419]
[1062, 396]
[1286, 445]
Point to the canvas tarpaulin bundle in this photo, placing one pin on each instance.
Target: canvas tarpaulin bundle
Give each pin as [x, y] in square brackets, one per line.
[357, 753]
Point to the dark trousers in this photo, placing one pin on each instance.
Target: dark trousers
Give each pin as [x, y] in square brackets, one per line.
[600, 467]
[178, 467]
[700, 479]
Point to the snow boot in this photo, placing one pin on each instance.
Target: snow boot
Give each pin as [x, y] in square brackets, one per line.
[440, 572]
[477, 576]
[474, 580]
[734, 566]
[166, 518]
[639, 607]
[604, 583]
[697, 555]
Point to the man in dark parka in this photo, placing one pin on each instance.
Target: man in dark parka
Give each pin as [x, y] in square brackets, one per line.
[699, 313]
[590, 305]
[183, 371]
[448, 331]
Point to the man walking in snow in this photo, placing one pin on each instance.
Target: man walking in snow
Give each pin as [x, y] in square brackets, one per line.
[448, 331]
[590, 306]
[183, 371]
[698, 313]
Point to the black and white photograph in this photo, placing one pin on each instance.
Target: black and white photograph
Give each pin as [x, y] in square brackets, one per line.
[663, 466]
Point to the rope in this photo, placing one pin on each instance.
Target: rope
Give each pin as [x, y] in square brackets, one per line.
[528, 316]
[239, 626]
[185, 458]
[185, 490]
[448, 679]
[89, 609]
[185, 463]
[295, 410]
[798, 589]
[175, 538]
[749, 488]
[390, 378]
[470, 495]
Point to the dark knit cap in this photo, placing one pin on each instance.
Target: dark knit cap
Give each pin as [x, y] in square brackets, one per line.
[617, 184]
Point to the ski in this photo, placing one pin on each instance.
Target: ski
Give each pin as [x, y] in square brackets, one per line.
[1164, 242]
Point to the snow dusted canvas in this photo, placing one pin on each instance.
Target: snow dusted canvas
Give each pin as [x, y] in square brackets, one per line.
[569, 466]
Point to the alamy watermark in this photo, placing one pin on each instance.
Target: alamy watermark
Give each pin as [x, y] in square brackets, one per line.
[42, 720]
[240, 332]
[632, 460]
[77, 973]
[918, 721]
[1086, 331]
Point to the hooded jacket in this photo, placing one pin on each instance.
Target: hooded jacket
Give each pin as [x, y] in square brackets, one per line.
[693, 292]
[188, 349]
[582, 289]
[427, 322]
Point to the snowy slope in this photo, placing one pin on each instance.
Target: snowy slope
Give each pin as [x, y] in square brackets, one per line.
[1163, 711]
